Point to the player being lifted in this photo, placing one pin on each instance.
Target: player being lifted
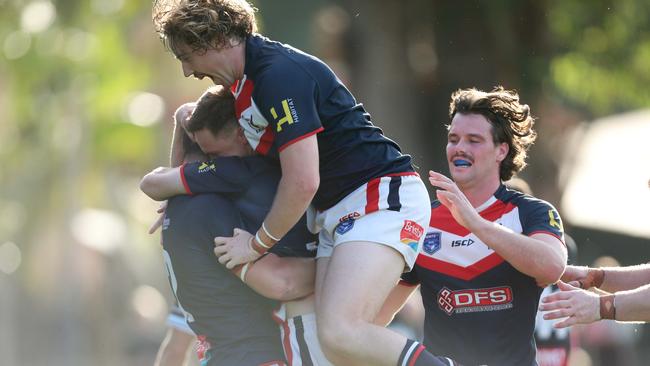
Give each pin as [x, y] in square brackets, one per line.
[370, 205]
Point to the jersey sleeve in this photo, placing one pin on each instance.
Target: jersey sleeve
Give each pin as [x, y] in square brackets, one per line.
[221, 175]
[541, 217]
[287, 96]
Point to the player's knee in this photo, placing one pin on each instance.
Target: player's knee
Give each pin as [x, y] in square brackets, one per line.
[337, 334]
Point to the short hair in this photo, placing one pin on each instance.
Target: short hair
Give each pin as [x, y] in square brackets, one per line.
[511, 122]
[202, 24]
[190, 147]
[215, 110]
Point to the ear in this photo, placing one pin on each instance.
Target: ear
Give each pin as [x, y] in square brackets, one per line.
[502, 152]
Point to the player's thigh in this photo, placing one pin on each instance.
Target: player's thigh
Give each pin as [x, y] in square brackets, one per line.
[321, 271]
[359, 277]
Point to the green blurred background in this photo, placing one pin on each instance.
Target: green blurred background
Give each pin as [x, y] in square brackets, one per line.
[86, 98]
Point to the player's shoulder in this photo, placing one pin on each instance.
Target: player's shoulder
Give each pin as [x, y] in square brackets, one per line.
[519, 199]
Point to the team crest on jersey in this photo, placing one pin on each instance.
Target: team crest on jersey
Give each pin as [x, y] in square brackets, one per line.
[345, 226]
[411, 234]
[474, 300]
[431, 242]
[206, 167]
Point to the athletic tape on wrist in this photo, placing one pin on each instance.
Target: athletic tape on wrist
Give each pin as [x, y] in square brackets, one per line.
[269, 234]
[607, 307]
[255, 244]
[244, 270]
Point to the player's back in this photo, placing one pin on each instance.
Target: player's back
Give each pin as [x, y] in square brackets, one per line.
[235, 320]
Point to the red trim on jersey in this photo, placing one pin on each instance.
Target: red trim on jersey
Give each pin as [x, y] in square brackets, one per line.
[416, 354]
[184, 181]
[266, 141]
[547, 233]
[243, 100]
[442, 219]
[287, 144]
[454, 270]
[403, 174]
[372, 195]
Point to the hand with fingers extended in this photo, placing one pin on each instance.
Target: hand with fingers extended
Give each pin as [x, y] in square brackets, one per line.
[161, 217]
[578, 306]
[235, 250]
[451, 197]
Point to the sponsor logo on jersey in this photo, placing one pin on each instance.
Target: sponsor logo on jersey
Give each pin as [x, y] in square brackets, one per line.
[290, 114]
[474, 300]
[202, 348]
[431, 242]
[206, 167]
[411, 234]
[462, 242]
[257, 127]
[554, 220]
[344, 226]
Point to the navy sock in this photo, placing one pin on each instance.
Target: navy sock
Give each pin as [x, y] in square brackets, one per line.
[414, 354]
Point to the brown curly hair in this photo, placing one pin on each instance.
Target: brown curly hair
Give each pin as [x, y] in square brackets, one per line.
[202, 24]
[511, 122]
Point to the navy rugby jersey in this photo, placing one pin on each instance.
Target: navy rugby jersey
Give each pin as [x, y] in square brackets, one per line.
[234, 319]
[479, 310]
[251, 182]
[287, 95]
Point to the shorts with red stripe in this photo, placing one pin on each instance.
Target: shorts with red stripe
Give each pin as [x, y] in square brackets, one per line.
[393, 210]
[300, 340]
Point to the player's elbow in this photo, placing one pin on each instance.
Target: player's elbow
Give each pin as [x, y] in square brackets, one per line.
[281, 289]
[150, 187]
[552, 272]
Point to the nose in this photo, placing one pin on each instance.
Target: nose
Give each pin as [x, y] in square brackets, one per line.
[187, 71]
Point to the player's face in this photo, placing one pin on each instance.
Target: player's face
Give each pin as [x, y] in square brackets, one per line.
[472, 155]
[218, 65]
[225, 144]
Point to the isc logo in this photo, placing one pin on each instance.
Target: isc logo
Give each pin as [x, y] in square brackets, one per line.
[462, 243]
[473, 300]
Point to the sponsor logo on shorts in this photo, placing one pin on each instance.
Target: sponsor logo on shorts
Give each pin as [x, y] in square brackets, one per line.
[344, 226]
[475, 300]
[351, 216]
[431, 242]
[202, 348]
[411, 234]
[206, 167]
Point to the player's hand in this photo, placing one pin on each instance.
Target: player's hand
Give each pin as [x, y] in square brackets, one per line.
[576, 305]
[161, 217]
[235, 250]
[451, 197]
[577, 276]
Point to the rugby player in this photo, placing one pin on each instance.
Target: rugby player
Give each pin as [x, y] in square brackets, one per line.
[286, 272]
[489, 251]
[370, 205]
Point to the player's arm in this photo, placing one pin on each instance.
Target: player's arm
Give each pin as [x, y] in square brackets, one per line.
[542, 255]
[394, 302]
[297, 187]
[163, 183]
[280, 278]
[610, 279]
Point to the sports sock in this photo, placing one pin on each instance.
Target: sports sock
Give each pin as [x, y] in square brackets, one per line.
[414, 354]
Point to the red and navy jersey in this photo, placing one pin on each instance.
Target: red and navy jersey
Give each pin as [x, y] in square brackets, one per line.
[250, 182]
[287, 95]
[478, 308]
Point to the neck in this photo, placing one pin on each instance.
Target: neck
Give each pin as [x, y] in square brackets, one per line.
[479, 192]
[239, 56]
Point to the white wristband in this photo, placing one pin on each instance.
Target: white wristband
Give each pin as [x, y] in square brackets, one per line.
[244, 269]
[269, 234]
[260, 242]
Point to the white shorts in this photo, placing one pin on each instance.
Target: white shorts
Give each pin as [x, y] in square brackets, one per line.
[300, 339]
[393, 210]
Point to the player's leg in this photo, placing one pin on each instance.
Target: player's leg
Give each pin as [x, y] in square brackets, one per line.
[174, 348]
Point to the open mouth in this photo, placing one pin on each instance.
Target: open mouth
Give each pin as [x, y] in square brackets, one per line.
[462, 163]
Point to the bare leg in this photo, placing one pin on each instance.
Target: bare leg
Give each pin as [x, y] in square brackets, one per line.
[351, 294]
